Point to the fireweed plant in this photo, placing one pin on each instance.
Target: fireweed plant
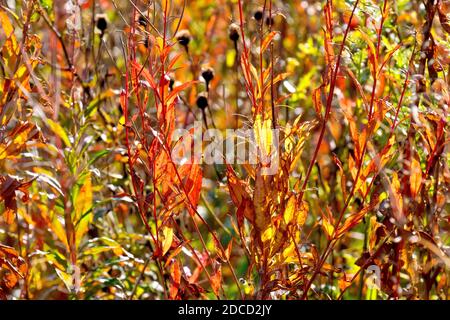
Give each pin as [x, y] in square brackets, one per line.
[224, 149]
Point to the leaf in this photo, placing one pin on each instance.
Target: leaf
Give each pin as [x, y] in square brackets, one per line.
[444, 15]
[10, 279]
[260, 203]
[396, 197]
[229, 249]
[263, 138]
[20, 135]
[92, 107]
[268, 234]
[237, 188]
[14, 265]
[8, 251]
[96, 250]
[216, 280]
[175, 274]
[289, 212]
[174, 93]
[317, 101]
[193, 186]
[356, 218]
[97, 156]
[8, 188]
[327, 222]
[66, 278]
[168, 239]
[45, 176]
[328, 227]
[268, 40]
[59, 131]
[357, 84]
[8, 29]
[302, 213]
[415, 178]
[46, 4]
[278, 78]
[114, 245]
[373, 59]
[54, 224]
[388, 57]
[145, 73]
[83, 208]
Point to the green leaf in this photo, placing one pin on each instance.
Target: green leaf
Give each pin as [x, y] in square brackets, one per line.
[98, 155]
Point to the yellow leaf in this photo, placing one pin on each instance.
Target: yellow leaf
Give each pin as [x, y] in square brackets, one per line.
[267, 234]
[113, 245]
[83, 207]
[6, 24]
[303, 213]
[168, 238]
[66, 278]
[288, 254]
[289, 212]
[59, 131]
[263, 135]
[53, 223]
[328, 227]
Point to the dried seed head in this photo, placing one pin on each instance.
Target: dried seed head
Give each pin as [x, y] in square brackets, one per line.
[233, 32]
[208, 74]
[202, 101]
[171, 82]
[269, 21]
[184, 37]
[102, 23]
[142, 21]
[147, 42]
[258, 15]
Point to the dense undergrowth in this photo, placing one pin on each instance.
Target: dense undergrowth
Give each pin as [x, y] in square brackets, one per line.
[93, 206]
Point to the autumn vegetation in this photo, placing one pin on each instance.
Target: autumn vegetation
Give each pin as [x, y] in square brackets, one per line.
[93, 206]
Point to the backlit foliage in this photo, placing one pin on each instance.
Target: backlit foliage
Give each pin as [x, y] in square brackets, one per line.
[92, 206]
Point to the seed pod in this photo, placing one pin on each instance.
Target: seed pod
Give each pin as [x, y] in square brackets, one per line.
[184, 37]
[102, 24]
[269, 21]
[147, 42]
[202, 101]
[258, 15]
[208, 75]
[233, 32]
[171, 82]
[142, 21]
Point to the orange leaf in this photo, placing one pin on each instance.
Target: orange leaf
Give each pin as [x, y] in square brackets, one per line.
[356, 218]
[216, 280]
[267, 40]
[8, 29]
[175, 274]
[415, 178]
